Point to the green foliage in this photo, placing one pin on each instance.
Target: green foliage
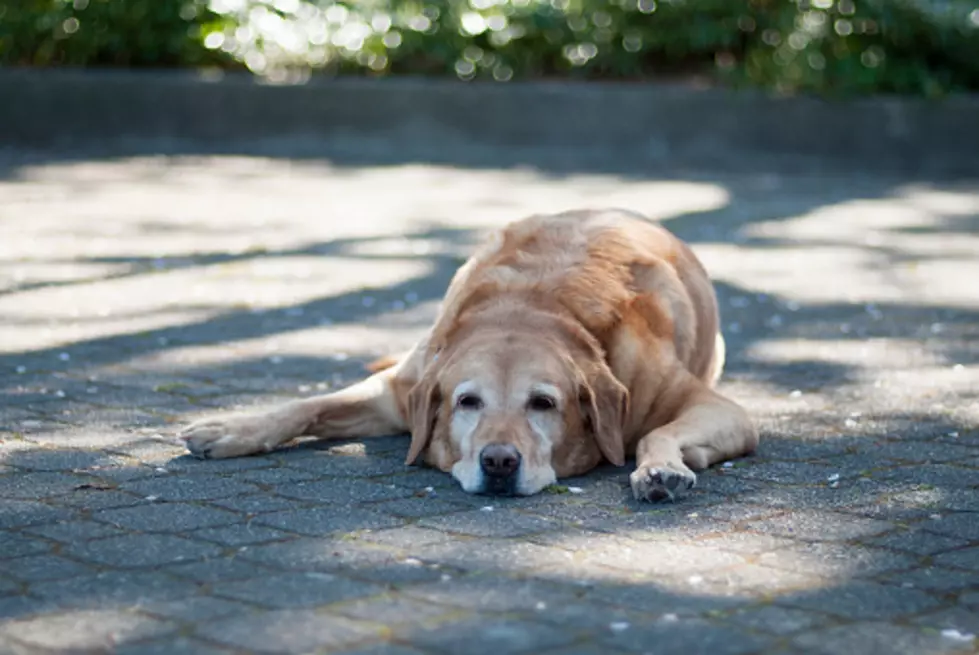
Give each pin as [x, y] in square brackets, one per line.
[104, 33]
[826, 46]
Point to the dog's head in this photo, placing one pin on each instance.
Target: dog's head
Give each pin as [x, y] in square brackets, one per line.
[508, 412]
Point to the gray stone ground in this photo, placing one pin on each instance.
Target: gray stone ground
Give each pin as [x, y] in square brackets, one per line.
[142, 291]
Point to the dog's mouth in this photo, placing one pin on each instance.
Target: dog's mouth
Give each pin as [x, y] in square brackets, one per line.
[499, 486]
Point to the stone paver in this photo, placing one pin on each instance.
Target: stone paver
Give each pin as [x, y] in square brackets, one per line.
[140, 292]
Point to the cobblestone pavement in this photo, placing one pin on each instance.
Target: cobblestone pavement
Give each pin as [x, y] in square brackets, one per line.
[138, 293]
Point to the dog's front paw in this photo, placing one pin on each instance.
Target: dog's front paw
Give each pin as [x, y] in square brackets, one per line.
[234, 436]
[655, 483]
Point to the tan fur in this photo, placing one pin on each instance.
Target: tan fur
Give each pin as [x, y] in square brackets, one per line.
[611, 312]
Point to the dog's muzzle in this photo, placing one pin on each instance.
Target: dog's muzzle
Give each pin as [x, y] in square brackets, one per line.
[500, 464]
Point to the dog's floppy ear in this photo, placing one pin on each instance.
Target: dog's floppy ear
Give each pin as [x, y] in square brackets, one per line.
[605, 404]
[423, 405]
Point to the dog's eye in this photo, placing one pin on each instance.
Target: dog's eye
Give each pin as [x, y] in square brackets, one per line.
[541, 403]
[470, 401]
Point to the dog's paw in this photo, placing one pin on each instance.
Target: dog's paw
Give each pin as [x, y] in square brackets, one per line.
[655, 483]
[234, 436]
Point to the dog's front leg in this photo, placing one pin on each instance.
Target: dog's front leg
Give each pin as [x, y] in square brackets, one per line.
[707, 429]
[368, 408]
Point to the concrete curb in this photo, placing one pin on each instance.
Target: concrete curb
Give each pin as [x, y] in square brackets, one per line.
[44, 109]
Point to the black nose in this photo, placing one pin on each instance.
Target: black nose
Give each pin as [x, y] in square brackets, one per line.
[499, 460]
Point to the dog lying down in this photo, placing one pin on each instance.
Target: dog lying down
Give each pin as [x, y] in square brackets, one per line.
[565, 340]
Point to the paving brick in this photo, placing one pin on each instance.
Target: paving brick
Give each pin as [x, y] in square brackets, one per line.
[188, 488]
[339, 490]
[167, 517]
[916, 541]
[391, 610]
[218, 570]
[325, 521]
[240, 534]
[19, 513]
[359, 466]
[776, 620]
[181, 645]
[930, 578]
[834, 560]
[496, 523]
[967, 558]
[294, 590]
[14, 544]
[286, 631]
[37, 568]
[142, 550]
[486, 636]
[358, 560]
[259, 503]
[874, 637]
[72, 531]
[380, 649]
[193, 610]
[960, 525]
[112, 588]
[865, 601]
[820, 526]
[86, 630]
[677, 635]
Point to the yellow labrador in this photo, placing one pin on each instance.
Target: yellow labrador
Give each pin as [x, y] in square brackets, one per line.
[565, 340]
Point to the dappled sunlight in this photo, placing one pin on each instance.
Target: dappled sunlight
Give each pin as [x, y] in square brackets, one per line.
[86, 629]
[885, 244]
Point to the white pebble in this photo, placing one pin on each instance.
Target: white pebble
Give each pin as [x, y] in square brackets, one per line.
[669, 618]
[618, 626]
[833, 478]
[935, 517]
[488, 508]
[152, 498]
[953, 434]
[21, 369]
[727, 465]
[160, 469]
[796, 393]
[411, 561]
[850, 423]
[576, 490]
[445, 577]
[541, 606]
[695, 579]
[59, 393]
[952, 633]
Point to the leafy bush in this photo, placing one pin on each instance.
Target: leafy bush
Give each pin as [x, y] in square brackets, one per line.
[826, 46]
[105, 33]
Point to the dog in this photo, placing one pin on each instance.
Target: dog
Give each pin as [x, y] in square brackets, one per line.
[566, 340]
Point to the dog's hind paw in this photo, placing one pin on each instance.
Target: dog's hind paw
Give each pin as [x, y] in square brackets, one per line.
[655, 483]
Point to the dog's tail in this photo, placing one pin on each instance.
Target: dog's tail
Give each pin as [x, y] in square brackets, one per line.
[384, 362]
